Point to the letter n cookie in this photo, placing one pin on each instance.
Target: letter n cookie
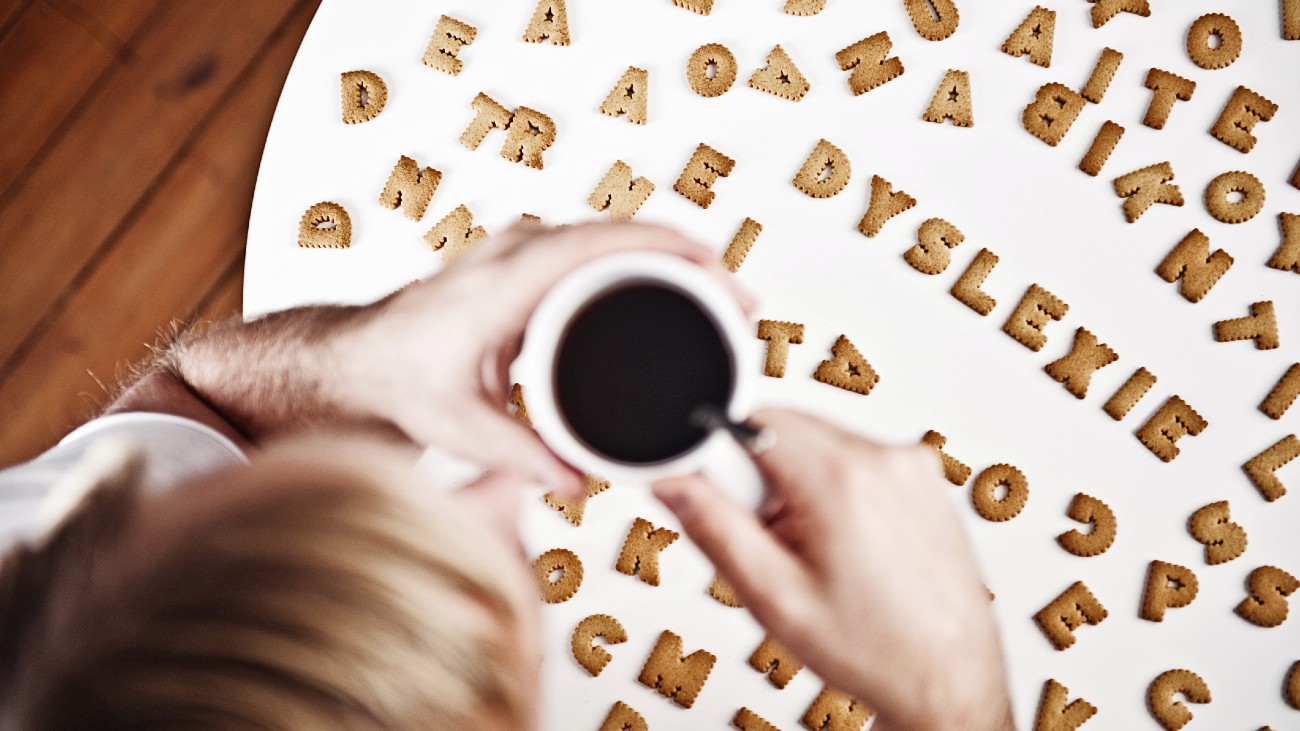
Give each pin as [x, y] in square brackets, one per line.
[677, 678]
[1192, 262]
[1074, 607]
[641, 549]
[774, 661]
[847, 369]
[454, 234]
[619, 193]
[870, 63]
[832, 710]
[410, 188]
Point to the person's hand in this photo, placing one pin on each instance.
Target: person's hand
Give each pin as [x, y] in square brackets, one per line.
[862, 570]
[438, 353]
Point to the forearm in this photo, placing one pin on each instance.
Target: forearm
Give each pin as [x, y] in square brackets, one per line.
[288, 371]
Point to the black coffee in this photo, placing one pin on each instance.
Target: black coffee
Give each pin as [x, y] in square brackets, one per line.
[633, 365]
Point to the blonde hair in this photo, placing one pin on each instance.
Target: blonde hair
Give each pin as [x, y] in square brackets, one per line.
[301, 594]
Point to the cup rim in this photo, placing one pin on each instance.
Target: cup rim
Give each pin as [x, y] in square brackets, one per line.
[550, 321]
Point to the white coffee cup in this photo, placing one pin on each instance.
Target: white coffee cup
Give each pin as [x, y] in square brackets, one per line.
[535, 367]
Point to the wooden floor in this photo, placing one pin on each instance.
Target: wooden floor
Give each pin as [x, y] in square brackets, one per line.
[129, 143]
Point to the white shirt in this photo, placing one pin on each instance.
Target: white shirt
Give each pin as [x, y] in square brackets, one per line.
[174, 449]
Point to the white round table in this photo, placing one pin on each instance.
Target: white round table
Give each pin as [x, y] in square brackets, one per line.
[941, 365]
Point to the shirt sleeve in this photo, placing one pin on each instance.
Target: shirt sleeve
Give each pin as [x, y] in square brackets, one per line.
[174, 449]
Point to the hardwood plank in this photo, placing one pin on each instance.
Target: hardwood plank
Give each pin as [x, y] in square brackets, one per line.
[187, 237]
[51, 61]
[10, 10]
[226, 299]
[116, 21]
[139, 121]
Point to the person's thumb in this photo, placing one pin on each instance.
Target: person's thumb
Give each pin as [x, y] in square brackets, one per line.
[759, 567]
[499, 443]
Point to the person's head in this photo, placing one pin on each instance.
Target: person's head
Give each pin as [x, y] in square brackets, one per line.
[318, 588]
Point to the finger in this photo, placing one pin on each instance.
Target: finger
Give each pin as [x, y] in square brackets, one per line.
[763, 572]
[499, 443]
[494, 500]
[808, 455]
[519, 233]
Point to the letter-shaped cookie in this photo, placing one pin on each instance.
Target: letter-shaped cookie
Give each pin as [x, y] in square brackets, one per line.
[325, 225]
[1192, 262]
[1166, 88]
[1063, 615]
[723, 592]
[445, 43]
[410, 187]
[618, 193]
[593, 659]
[1053, 110]
[1128, 395]
[933, 25]
[1287, 256]
[1171, 422]
[623, 717]
[1102, 146]
[569, 567]
[741, 243]
[983, 493]
[825, 172]
[951, 100]
[629, 96]
[1160, 697]
[1237, 121]
[747, 720]
[550, 20]
[883, 205]
[702, 170]
[677, 678]
[1266, 603]
[355, 84]
[454, 234]
[779, 335]
[1213, 528]
[870, 63]
[1142, 188]
[1104, 10]
[1283, 394]
[1260, 325]
[847, 369]
[1103, 72]
[574, 508]
[529, 134]
[1261, 467]
[713, 55]
[641, 549]
[1089, 510]
[1054, 714]
[780, 77]
[1037, 308]
[1034, 36]
[488, 115]
[776, 662]
[967, 287]
[1087, 356]
[934, 241]
[832, 710]
[954, 470]
[1169, 586]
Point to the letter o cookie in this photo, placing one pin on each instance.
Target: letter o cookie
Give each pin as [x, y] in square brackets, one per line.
[1237, 181]
[697, 70]
[1198, 41]
[983, 493]
[566, 585]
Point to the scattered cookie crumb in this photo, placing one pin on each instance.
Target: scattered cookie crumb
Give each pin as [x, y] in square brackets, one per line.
[1069, 611]
[1166, 88]
[773, 660]
[954, 470]
[364, 95]
[1191, 261]
[869, 62]
[952, 100]
[1145, 187]
[449, 35]
[1228, 211]
[713, 56]
[833, 710]
[780, 77]
[641, 549]
[1128, 395]
[677, 678]
[1172, 714]
[824, 173]
[1261, 468]
[1095, 513]
[619, 193]
[967, 287]
[1266, 602]
[1033, 37]
[1236, 123]
[1260, 325]
[629, 96]
[1171, 422]
[779, 335]
[1213, 528]
[847, 369]
[1219, 56]
[1104, 10]
[741, 244]
[934, 20]
[883, 205]
[1168, 586]
[593, 659]
[563, 586]
[1102, 146]
[410, 187]
[702, 170]
[325, 225]
[1283, 394]
[1103, 72]
[1054, 713]
[550, 20]
[1087, 356]
[1037, 308]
